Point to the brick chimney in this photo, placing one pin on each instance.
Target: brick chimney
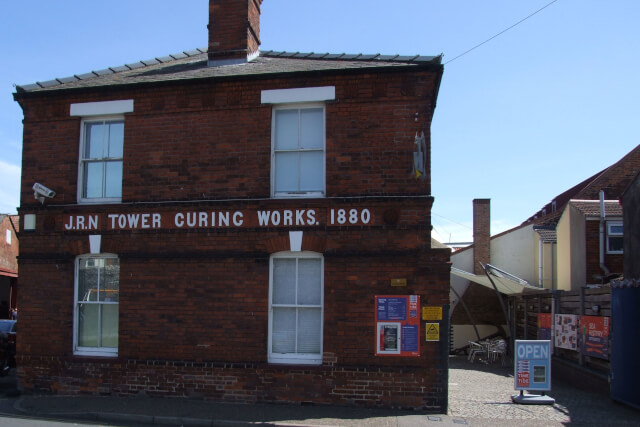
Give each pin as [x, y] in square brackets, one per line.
[481, 234]
[234, 31]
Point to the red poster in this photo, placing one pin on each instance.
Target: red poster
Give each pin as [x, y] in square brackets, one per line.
[544, 326]
[595, 336]
[523, 379]
[594, 326]
[544, 320]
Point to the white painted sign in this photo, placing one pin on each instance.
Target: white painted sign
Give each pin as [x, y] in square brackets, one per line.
[262, 218]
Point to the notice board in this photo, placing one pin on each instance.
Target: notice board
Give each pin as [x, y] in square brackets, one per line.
[532, 367]
[397, 325]
[566, 331]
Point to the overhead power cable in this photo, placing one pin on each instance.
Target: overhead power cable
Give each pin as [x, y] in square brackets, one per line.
[501, 32]
[450, 220]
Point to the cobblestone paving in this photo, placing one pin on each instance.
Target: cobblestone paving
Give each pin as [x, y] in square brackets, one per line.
[480, 394]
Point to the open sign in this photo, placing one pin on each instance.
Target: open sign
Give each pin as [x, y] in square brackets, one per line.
[532, 365]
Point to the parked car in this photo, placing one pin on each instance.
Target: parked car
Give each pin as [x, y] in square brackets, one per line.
[8, 329]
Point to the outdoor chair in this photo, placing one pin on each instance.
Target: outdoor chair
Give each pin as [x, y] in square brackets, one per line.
[497, 350]
[476, 350]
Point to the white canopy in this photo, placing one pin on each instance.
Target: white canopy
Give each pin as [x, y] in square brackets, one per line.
[506, 283]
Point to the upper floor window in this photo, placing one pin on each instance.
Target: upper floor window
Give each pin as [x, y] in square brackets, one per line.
[615, 239]
[298, 140]
[298, 151]
[101, 150]
[97, 296]
[101, 160]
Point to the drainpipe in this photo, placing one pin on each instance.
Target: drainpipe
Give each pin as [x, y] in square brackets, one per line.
[540, 265]
[604, 268]
[553, 273]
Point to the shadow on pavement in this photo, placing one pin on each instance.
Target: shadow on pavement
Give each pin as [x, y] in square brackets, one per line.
[482, 391]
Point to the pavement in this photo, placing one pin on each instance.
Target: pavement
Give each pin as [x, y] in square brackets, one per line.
[479, 395]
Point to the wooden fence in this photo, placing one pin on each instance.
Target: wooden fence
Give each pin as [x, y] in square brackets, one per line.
[589, 301]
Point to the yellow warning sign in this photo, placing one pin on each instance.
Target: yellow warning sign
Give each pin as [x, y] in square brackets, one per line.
[433, 331]
[431, 313]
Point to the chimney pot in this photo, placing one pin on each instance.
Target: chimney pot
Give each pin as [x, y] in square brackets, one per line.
[481, 234]
[234, 31]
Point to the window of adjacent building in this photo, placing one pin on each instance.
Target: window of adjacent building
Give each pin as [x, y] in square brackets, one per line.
[101, 151]
[298, 167]
[97, 291]
[615, 240]
[8, 236]
[296, 308]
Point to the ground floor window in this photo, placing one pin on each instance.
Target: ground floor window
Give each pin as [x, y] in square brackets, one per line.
[97, 289]
[296, 307]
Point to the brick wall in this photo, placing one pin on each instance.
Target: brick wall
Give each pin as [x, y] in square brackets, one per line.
[234, 28]
[481, 234]
[403, 387]
[204, 141]
[202, 321]
[193, 311]
[8, 251]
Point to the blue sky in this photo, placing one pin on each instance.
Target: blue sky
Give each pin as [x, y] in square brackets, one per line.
[519, 120]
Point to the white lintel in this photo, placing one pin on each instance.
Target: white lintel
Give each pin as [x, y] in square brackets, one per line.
[304, 94]
[101, 108]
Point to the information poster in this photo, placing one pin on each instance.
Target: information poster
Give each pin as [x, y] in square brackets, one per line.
[397, 325]
[595, 336]
[532, 365]
[566, 331]
[544, 326]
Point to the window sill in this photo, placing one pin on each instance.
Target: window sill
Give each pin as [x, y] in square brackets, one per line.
[96, 354]
[296, 362]
[310, 195]
[111, 201]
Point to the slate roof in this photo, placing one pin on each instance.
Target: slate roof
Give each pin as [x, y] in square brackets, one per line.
[193, 65]
[591, 208]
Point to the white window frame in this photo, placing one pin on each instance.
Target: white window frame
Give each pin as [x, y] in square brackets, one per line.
[610, 234]
[82, 161]
[296, 358]
[296, 194]
[91, 351]
[95, 112]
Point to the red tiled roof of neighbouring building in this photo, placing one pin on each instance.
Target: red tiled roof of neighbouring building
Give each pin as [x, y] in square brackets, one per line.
[613, 180]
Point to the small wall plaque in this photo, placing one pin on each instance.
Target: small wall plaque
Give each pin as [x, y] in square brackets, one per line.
[431, 313]
[398, 282]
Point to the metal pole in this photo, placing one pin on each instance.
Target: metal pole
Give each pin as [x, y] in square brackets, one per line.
[504, 310]
[446, 322]
[580, 356]
[466, 309]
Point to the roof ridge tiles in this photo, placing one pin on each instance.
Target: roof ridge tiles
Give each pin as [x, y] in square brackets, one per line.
[350, 56]
[162, 60]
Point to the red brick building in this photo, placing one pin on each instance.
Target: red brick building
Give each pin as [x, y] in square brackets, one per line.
[8, 264]
[224, 224]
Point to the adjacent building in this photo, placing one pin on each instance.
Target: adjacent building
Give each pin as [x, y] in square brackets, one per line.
[574, 240]
[233, 224]
[8, 264]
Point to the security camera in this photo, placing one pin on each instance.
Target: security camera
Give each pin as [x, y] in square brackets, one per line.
[40, 192]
